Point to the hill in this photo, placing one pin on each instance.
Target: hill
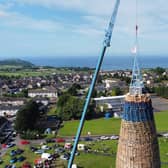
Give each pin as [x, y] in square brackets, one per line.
[16, 62]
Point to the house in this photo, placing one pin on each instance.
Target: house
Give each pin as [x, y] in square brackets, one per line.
[12, 101]
[42, 100]
[45, 92]
[4, 89]
[8, 110]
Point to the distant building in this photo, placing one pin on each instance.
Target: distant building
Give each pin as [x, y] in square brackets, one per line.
[4, 89]
[12, 101]
[44, 101]
[49, 93]
[8, 110]
[114, 103]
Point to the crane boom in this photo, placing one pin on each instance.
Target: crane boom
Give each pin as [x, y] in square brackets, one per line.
[109, 31]
[106, 44]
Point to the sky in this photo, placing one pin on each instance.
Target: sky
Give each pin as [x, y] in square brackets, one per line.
[56, 28]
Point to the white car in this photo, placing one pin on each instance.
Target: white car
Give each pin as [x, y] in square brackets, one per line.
[64, 157]
[45, 147]
[114, 137]
[40, 151]
[104, 138]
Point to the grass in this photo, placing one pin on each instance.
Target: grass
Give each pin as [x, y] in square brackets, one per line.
[88, 160]
[97, 161]
[34, 72]
[108, 126]
[96, 127]
[161, 119]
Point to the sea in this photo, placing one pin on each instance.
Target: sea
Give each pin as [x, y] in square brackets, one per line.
[109, 63]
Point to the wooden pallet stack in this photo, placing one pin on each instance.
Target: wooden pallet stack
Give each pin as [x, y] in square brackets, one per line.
[138, 144]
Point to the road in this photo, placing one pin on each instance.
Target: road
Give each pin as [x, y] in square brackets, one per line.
[159, 104]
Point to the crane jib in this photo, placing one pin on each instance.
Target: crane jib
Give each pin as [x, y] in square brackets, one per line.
[106, 44]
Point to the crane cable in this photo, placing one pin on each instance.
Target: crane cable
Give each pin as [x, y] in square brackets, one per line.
[136, 27]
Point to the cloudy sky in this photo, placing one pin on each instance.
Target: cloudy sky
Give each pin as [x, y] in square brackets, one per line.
[77, 27]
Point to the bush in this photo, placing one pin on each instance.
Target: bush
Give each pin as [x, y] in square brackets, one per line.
[31, 135]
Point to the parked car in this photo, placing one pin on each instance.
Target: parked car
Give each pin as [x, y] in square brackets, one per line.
[45, 147]
[10, 145]
[8, 166]
[40, 151]
[4, 145]
[88, 139]
[33, 149]
[114, 137]
[14, 134]
[13, 160]
[59, 150]
[13, 166]
[19, 151]
[104, 138]
[13, 153]
[65, 157]
[55, 155]
[24, 142]
[21, 159]
[50, 140]
[60, 140]
[26, 165]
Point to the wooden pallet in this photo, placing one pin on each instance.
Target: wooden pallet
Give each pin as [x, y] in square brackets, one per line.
[138, 145]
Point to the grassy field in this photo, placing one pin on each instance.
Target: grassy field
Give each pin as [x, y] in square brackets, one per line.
[88, 160]
[96, 127]
[161, 119]
[108, 126]
[98, 161]
[35, 72]
[95, 161]
[30, 72]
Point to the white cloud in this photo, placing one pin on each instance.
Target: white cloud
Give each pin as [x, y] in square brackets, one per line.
[3, 14]
[93, 19]
[17, 20]
[96, 13]
[90, 6]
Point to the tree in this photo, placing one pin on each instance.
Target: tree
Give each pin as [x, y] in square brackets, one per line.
[159, 70]
[72, 108]
[63, 99]
[162, 91]
[73, 90]
[27, 117]
[116, 91]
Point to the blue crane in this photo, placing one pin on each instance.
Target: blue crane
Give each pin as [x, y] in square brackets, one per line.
[106, 44]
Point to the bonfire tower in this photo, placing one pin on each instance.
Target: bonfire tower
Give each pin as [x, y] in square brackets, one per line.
[138, 145]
